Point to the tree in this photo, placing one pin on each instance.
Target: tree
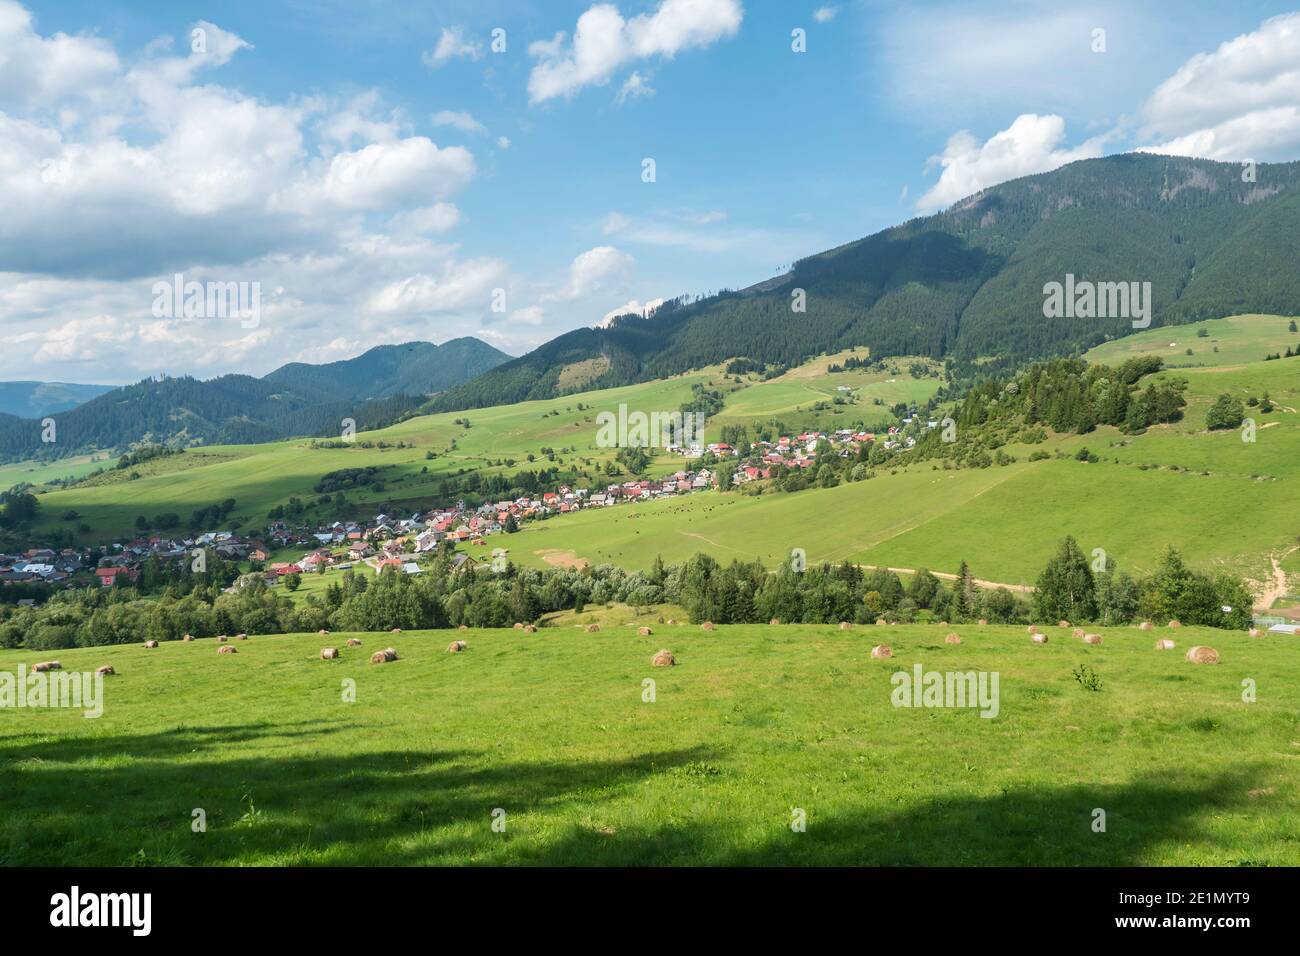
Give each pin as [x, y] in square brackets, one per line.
[511, 525]
[1226, 412]
[1066, 589]
[293, 581]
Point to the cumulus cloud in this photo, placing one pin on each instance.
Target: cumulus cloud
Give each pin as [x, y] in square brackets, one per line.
[1241, 101]
[529, 315]
[461, 121]
[632, 307]
[1031, 144]
[600, 270]
[603, 41]
[40, 71]
[453, 45]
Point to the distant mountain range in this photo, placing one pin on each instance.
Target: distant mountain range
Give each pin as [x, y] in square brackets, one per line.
[1211, 239]
[374, 389]
[35, 399]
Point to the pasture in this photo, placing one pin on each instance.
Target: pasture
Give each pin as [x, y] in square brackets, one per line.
[755, 724]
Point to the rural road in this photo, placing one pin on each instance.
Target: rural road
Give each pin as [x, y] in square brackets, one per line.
[1277, 588]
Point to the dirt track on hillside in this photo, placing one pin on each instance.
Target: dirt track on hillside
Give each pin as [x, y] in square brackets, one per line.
[945, 576]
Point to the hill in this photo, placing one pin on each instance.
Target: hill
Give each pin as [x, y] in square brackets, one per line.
[413, 368]
[374, 389]
[34, 399]
[1237, 339]
[968, 282]
[754, 721]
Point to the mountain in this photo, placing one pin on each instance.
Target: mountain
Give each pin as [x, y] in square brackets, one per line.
[373, 389]
[413, 368]
[968, 282]
[36, 399]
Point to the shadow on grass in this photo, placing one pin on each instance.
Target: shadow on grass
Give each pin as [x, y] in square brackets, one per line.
[69, 803]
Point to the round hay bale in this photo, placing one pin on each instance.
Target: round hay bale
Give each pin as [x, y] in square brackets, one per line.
[707, 625]
[593, 628]
[644, 631]
[530, 628]
[329, 653]
[1145, 626]
[354, 642]
[952, 639]
[455, 647]
[384, 656]
[519, 625]
[1062, 623]
[1201, 654]
[221, 638]
[323, 632]
[188, 637]
[1256, 632]
[241, 637]
[1032, 629]
[881, 651]
[1079, 632]
[1092, 638]
[47, 666]
[105, 670]
[1164, 644]
[396, 630]
[775, 620]
[881, 622]
[463, 627]
[227, 649]
[672, 621]
[1175, 623]
[1038, 638]
[845, 626]
[943, 623]
[150, 643]
[984, 622]
[664, 659]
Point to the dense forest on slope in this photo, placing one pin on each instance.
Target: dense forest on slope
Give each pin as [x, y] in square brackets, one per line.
[34, 399]
[968, 282]
[412, 368]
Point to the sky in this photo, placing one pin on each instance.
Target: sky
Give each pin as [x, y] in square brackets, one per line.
[383, 172]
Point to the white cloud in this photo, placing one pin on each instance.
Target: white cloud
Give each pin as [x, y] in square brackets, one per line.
[635, 86]
[825, 14]
[1240, 102]
[603, 41]
[461, 121]
[633, 307]
[503, 142]
[453, 45]
[600, 270]
[457, 286]
[614, 222]
[529, 315]
[40, 71]
[1031, 144]
[386, 174]
[440, 217]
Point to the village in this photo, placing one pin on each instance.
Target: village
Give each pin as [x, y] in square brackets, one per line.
[400, 541]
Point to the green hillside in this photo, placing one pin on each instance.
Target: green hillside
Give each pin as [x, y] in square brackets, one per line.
[755, 723]
[1235, 340]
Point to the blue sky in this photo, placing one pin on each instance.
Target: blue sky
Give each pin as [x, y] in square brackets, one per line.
[384, 175]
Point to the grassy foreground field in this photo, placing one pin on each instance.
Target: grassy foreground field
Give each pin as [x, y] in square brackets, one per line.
[756, 722]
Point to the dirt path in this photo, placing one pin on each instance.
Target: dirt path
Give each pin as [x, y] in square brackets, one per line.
[945, 576]
[1277, 587]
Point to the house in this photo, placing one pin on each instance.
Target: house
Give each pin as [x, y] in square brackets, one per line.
[109, 576]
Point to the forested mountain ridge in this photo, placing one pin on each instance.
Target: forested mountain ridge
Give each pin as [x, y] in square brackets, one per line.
[1213, 239]
[34, 399]
[372, 389]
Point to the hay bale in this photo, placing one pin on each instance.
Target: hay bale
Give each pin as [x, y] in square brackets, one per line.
[664, 659]
[519, 625]
[1062, 623]
[150, 643]
[881, 651]
[672, 621]
[384, 656]
[943, 623]
[455, 647]
[104, 671]
[1032, 629]
[1200, 654]
[952, 639]
[984, 622]
[323, 632]
[1175, 623]
[329, 653]
[881, 622]
[593, 628]
[1079, 632]
[227, 649]
[241, 637]
[396, 630]
[1092, 638]
[775, 620]
[463, 627]
[47, 666]
[644, 631]
[1256, 632]
[188, 637]
[845, 626]
[354, 642]
[530, 628]
[221, 638]
[707, 625]
[1145, 626]
[1164, 644]
[1038, 638]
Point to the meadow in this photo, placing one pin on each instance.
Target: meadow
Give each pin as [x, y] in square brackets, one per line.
[754, 724]
[1233, 340]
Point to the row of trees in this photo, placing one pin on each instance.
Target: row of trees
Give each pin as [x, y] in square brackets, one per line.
[742, 592]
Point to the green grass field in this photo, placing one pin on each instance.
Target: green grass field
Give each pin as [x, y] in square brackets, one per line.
[755, 723]
[1230, 341]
